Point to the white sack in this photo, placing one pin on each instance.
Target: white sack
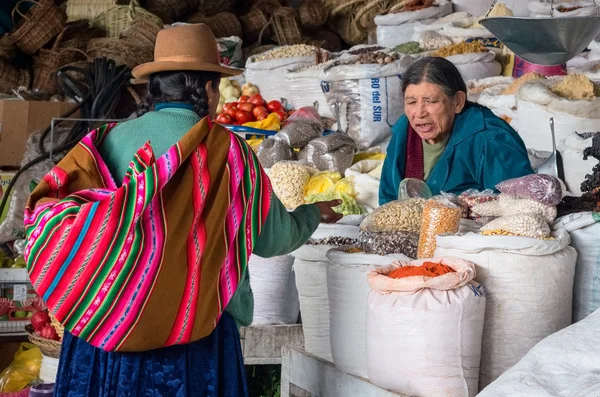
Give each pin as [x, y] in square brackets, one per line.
[476, 87]
[575, 167]
[584, 230]
[365, 185]
[564, 364]
[477, 65]
[370, 98]
[269, 75]
[398, 28]
[274, 289]
[539, 9]
[310, 268]
[304, 89]
[530, 289]
[426, 342]
[536, 104]
[500, 104]
[348, 292]
[473, 7]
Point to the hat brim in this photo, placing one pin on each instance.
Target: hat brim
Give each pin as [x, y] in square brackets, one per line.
[142, 72]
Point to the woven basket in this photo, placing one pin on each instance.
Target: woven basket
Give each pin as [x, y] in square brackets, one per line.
[118, 18]
[12, 78]
[48, 62]
[253, 24]
[286, 26]
[332, 39]
[78, 33]
[60, 330]
[49, 348]
[224, 24]
[142, 32]
[175, 8]
[313, 14]
[38, 26]
[87, 9]
[214, 7]
[267, 6]
[8, 50]
[123, 52]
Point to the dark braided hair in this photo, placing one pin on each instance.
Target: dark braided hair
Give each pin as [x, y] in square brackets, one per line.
[182, 86]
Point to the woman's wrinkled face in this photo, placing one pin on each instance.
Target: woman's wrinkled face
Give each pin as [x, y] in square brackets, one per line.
[430, 111]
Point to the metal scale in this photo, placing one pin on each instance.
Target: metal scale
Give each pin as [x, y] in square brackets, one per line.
[545, 41]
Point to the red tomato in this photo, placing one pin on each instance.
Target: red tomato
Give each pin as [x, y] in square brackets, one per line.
[246, 107]
[274, 106]
[257, 100]
[282, 115]
[232, 111]
[229, 105]
[244, 117]
[244, 99]
[259, 110]
[224, 119]
[262, 116]
[39, 320]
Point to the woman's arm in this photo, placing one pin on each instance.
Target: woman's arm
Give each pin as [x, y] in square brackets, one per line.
[284, 232]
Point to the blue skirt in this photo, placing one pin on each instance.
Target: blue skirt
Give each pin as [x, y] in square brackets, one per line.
[212, 366]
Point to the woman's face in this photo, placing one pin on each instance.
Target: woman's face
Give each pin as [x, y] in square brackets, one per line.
[430, 111]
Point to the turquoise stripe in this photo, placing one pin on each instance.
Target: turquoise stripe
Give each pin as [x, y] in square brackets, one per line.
[76, 246]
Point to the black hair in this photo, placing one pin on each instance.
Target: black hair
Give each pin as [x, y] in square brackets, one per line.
[179, 86]
[435, 70]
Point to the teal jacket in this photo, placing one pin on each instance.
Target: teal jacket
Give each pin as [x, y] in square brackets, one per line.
[483, 151]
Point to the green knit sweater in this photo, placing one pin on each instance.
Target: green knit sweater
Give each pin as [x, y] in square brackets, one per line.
[283, 231]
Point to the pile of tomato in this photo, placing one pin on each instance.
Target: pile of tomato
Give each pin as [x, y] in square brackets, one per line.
[248, 109]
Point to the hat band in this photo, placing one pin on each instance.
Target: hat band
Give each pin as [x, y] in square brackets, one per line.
[184, 58]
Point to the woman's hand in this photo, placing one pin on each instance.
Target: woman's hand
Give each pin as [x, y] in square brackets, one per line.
[328, 215]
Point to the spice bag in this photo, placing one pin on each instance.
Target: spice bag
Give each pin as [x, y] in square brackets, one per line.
[477, 65]
[398, 28]
[542, 9]
[537, 104]
[273, 285]
[370, 98]
[521, 308]
[424, 333]
[584, 230]
[365, 184]
[577, 168]
[348, 293]
[564, 364]
[304, 89]
[268, 75]
[310, 268]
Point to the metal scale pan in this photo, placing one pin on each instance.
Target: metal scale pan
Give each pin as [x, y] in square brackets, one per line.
[544, 41]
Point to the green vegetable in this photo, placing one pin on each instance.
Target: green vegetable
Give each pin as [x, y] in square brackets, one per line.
[349, 205]
[412, 47]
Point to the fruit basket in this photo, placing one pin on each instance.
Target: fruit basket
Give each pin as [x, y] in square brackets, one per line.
[48, 347]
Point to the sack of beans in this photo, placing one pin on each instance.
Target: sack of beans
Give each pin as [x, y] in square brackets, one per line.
[398, 27]
[348, 292]
[521, 308]
[424, 327]
[367, 90]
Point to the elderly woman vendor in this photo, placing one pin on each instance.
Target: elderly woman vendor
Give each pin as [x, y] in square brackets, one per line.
[451, 144]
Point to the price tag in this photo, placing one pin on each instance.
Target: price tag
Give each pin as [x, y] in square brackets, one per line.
[20, 292]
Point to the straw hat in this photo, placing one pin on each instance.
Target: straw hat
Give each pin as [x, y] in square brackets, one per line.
[185, 47]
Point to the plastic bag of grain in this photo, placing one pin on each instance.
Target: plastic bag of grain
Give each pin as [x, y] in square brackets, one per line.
[369, 97]
[348, 292]
[398, 28]
[424, 333]
[521, 309]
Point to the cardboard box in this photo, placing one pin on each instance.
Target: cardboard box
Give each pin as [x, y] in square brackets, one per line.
[19, 119]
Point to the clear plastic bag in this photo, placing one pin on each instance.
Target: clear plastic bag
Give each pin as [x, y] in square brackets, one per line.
[472, 198]
[337, 161]
[289, 181]
[332, 142]
[525, 225]
[298, 134]
[386, 243]
[307, 114]
[440, 216]
[413, 188]
[544, 189]
[24, 369]
[272, 151]
[395, 216]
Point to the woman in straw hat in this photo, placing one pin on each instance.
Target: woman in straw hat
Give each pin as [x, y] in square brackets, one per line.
[139, 239]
